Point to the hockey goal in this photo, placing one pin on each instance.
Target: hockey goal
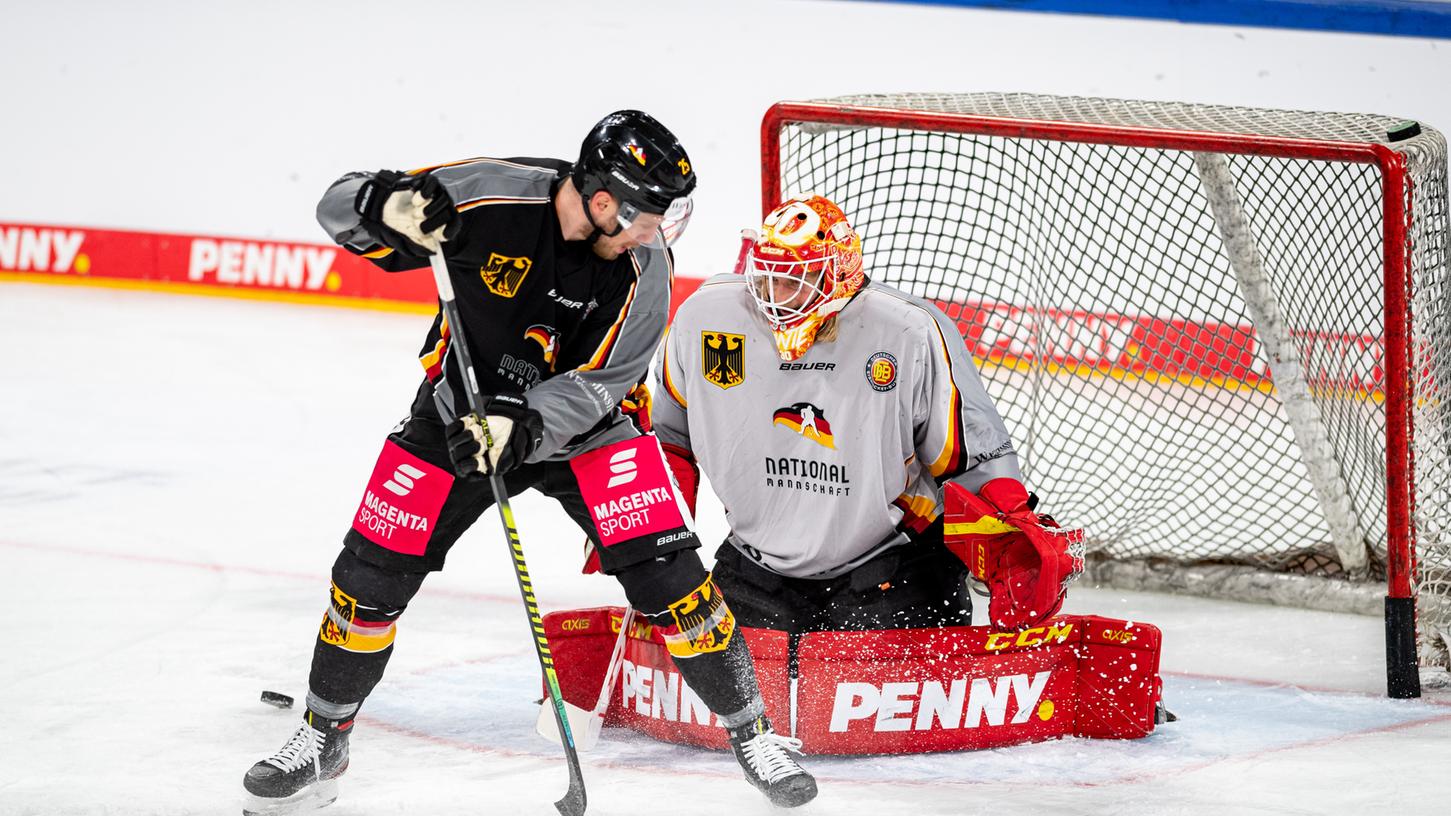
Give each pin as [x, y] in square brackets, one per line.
[1220, 336]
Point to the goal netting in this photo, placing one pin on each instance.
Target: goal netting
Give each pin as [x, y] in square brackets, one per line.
[1220, 336]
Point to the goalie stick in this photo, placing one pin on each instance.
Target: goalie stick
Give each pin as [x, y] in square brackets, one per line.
[573, 803]
[586, 725]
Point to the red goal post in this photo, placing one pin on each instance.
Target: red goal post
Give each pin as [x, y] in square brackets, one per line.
[1220, 336]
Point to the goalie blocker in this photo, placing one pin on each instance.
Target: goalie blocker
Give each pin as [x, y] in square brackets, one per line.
[892, 691]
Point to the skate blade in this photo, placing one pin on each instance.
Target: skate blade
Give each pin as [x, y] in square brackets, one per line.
[313, 797]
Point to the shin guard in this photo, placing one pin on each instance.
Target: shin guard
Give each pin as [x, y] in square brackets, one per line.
[355, 638]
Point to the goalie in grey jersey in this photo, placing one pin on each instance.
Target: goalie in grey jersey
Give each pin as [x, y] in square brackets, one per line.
[842, 423]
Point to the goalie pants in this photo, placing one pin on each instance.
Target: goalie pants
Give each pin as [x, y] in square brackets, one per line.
[917, 585]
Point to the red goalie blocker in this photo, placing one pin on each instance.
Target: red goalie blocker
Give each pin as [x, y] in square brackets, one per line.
[896, 691]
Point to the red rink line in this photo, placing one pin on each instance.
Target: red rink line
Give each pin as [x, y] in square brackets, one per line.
[315, 578]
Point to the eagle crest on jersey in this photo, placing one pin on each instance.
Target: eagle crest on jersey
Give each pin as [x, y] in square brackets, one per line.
[804, 267]
[503, 275]
[723, 358]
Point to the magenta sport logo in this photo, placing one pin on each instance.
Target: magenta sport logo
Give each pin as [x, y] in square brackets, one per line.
[401, 483]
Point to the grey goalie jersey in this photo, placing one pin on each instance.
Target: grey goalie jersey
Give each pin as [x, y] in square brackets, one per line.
[825, 462]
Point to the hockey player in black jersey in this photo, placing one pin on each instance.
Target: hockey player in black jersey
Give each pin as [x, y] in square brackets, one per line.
[562, 273]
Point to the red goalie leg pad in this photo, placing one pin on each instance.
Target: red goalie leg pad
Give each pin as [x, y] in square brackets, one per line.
[1026, 561]
[581, 642]
[652, 698]
[896, 691]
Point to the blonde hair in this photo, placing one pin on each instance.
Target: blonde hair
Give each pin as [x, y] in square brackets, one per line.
[828, 330]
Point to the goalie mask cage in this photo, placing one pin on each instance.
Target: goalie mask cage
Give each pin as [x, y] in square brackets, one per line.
[1219, 336]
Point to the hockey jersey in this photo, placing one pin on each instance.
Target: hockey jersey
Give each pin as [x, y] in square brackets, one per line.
[542, 316]
[826, 461]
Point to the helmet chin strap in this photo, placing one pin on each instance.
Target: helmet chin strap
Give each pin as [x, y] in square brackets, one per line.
[595, 232]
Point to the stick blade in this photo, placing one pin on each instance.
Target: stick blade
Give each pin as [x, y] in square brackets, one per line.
[584, 726]
[573, 802]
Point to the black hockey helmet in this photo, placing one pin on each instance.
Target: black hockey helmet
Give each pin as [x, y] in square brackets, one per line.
[634, 158]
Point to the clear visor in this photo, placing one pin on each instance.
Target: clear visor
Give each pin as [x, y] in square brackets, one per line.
[654, 230]
[787, 291]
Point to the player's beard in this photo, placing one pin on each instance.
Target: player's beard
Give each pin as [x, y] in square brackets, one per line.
[610, 248]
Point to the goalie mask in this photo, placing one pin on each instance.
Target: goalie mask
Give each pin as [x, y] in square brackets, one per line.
[804, 267]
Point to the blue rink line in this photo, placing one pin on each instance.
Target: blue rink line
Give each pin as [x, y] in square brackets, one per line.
[490, 706]
[1403, 18]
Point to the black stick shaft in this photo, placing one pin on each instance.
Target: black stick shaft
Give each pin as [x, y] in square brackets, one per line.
[573, 803]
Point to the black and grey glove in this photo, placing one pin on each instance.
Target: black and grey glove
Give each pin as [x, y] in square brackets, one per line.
[517, 431]
[410, 214]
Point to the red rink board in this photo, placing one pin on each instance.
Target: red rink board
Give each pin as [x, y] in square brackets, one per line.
[898, 691]
[205, 264]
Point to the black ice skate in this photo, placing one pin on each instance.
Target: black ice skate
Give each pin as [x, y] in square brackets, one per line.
[764, 757]
[303, 774]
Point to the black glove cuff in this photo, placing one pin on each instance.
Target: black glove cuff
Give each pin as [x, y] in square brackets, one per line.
[528, 425]
[368, 203]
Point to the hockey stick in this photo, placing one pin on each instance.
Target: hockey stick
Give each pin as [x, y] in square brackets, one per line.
[573, 803]
[586, 725]
[748, 239]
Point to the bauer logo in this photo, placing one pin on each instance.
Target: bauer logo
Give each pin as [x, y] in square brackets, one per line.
[250, 263]
[401, 484]
[27, 249]
[929, 705]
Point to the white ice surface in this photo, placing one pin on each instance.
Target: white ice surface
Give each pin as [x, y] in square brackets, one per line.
[175, 476]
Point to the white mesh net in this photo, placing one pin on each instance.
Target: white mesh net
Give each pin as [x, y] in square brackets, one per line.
[1190, 354]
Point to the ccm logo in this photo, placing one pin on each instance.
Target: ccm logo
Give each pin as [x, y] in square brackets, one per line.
[622, 465]
[402, 482]
[1034, 636]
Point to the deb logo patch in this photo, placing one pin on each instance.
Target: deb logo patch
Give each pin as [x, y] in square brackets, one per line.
[503, 275]
[723, 358]
[882, 371]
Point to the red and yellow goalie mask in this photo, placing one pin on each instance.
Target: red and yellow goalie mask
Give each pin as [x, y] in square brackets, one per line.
[804, 267]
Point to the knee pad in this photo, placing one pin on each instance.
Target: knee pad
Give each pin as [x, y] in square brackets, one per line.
[365, 603]
[679, 597]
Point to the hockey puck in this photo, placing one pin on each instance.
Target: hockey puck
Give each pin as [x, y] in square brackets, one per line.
[274, 698]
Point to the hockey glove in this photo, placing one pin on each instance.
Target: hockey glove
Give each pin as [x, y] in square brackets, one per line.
[1025, 559]
[516, 429]
[409, 214]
